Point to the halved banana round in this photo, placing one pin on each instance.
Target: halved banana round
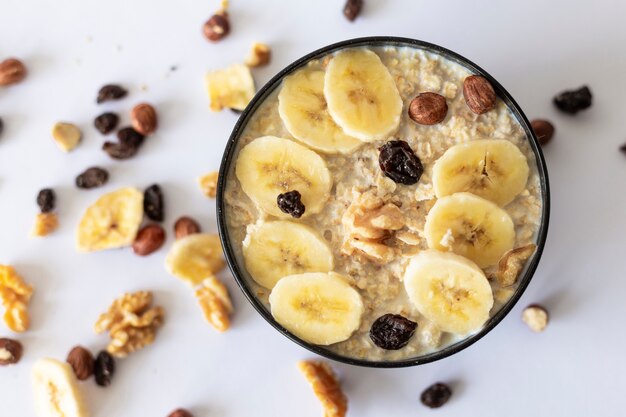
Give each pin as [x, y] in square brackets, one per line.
[269, 166]
[195, 257]
[303, 110]
[56, 390]
[276, 249]
[111, 222]
[494, 169]
[470, 226]
[362, 96]
[449, 290]
[321, 308]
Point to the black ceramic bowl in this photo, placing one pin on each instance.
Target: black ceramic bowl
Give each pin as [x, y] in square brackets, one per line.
[274, 83]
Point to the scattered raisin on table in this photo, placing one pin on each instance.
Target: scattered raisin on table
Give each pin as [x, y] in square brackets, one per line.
[130, 137]
[392, 331]
[352, 9]
[46, 200]
[291, 203]
[92, 178]
[106, 122]
[436, 395]
[119, 150]
[623, 148]
[111, 92]
[399, 163]
[573, 101]
[104, 368]
[1, 126]
[153, 203]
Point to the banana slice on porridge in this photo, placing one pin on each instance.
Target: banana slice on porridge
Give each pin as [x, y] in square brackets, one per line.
[449, 290]
[493, 169]
[303, 110]
[276, 249]
[269, 166]
[321, 308]
[470, 226]
[362, 96]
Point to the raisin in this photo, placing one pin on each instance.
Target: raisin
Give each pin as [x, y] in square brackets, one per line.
[106, 122]
[104, 368]
[352, 9]
[92, 178]
[153, 203]
[1, 126]
[573, 101]
[399, 163]
[130, 137]
[544, 130]
[623, 148]
[119, 151]
[290, 203]
[436, 395]
[111, 92]
[46, 200]
[392, 331]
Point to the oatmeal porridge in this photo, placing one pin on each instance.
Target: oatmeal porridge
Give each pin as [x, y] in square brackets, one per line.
[383, 202]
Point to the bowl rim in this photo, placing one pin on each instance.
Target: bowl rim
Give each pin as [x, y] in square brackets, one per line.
[382, 41]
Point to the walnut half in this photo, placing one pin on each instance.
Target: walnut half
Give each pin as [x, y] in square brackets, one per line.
[326, 387]
[15, 295]
[215, 303]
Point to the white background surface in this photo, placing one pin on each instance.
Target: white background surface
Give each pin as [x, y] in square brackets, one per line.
[534, 48]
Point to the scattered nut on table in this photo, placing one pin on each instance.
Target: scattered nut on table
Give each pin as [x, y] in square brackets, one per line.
[260, 55]
[82, 362]
[45, 223]
[208, 184]
[66, 135]
[15, 295]
[325, 386]
[12, 71]
[536, 317]
[10, 351]
[185, 226]
[215, 302]
[144, 119]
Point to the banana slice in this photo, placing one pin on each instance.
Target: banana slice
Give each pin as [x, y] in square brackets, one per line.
[269, 166]
[362, 96]
[195, 257]
[321, 308]
[493, 169]
[303, 110]
[276, 249]
[449, 290]
[470, 226]
[56, 390]
[111, 222]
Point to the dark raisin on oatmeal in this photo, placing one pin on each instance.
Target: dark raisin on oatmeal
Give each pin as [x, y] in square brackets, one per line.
[290, 203]
[392, 331]
[399, 162]
[436, 395]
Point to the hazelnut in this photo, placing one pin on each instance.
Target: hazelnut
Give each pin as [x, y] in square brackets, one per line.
[352, 9]
[544, 130]
[479, 94]
[144, 118]
[12, 71]
[10, 351]
[217, 27]
[149, 239]
[536, 317]
[180, 412]
[185, 226]
[82, 362]
[428, 109]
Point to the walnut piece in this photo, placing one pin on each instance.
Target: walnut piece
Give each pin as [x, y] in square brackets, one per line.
[45, 223]
[208, 184]
[15, 295]
[131, 322]
[536, 317]
[512, 263]
[367, 222]
[259, 56]
[326, 387]
[215, 303]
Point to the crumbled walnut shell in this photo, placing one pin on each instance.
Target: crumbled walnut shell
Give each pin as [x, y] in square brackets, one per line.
[326, 387]
[15, 295]
[208, 184]
[512, 263]
[215, 303]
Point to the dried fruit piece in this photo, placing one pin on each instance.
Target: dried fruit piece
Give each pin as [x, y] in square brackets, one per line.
[208, 184]
[399, 162]
[544, 130]
[185, 226]
[291, 203]
[10, 351]
[46, 200]
[479, 94]
[56, 389]
[92, 178]
[352, 9]
[195, 257]
[149, 239]
[130, 137]
[82, 362]
[392, 331]
[217, 27]
[536, 317]
[512, 263]
[66, 135]
[111, 92]
[153, 204]
[119, 151]
[144, 118]
[12, 71]
[104, 368]
[215, 302]
[132, 323]
[230, 88]
[106, 122]
[45, 223]
[428, 109]
[181, 412]
[259, 56]
[111, 222]
[1, 126]
[573, 101]
[325, 386]
[15, 295]
[436, 395]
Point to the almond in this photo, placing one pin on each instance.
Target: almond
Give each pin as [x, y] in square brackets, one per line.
[144, 119]
[149, 239]
[12, 71]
